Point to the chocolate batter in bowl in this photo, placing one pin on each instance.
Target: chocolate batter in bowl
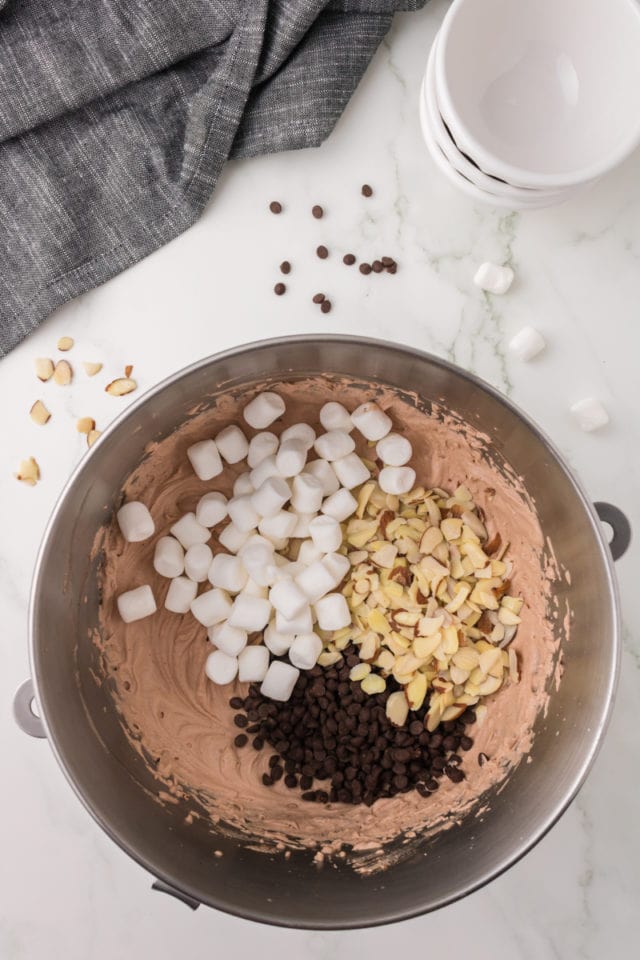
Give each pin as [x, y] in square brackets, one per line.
[147, 740]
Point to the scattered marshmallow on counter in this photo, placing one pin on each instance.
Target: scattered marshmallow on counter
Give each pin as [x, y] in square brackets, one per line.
[590, 414]
[135, 522]
[168, 558]
[279, 681]
[493, 278]
[372, 422]
[394, 450]
[136, 604]
[397, 480]
[527, 344]
[263, 410]
[205, 459]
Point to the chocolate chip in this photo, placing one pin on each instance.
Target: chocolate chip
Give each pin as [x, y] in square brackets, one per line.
[377, 267]
[279, 289]
[275, 206]
[240, 720]
[322, 252]
[387, 261]
[241, 740]
[465, 742]
[482, 759]
[365, 268]
[258, 743]
[236, 703]
[277, 772]
[454, 774]
[317, 211]
[318, 297]
[366, 190]
[266, 779]
[285, 267]
[291, 781]
[325, 306]
[273, 759]
[349, 259]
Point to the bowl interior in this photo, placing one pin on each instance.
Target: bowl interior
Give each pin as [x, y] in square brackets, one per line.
[551, 87]
[117, 786]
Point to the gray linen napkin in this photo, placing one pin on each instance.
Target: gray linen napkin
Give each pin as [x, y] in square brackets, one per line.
[116, 117]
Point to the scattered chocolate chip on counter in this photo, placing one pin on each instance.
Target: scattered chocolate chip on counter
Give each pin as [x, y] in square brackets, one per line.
[317, 211]
[366, 190]
[275, 206]
[322, 252]
[318, 297]
[365, 268]
[325, 306]
[279, 289]
[285, 267]
[349, 259]
[377, 266]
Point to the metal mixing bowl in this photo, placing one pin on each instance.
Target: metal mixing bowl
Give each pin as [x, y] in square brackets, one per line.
[117, 788]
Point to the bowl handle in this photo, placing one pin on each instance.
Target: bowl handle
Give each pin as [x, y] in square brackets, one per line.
[619, 524]
[174, 892]
[23, 713]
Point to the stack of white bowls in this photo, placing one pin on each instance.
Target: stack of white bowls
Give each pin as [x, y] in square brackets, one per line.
[525, 101]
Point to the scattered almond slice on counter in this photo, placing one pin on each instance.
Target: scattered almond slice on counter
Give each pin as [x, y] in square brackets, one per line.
[28, 472]
[44, 368]
[128, 370]
[65, 343]
[121, 386]
[85, 425]
[62, 374]
[92, 436]
[39, 413]
[91, 368]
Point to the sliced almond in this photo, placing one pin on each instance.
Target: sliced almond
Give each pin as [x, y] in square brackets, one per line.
[28, 472]
[359, 672]
[416, 691]
[374, 683]
[39, 413]
[91, 368]
[85, 425]
[44, 369]
[63, 374]
[92, 436]
[397, 708]
[65, 343]
[121, 386]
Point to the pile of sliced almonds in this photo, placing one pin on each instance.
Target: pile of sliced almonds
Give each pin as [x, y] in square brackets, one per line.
[430, 603]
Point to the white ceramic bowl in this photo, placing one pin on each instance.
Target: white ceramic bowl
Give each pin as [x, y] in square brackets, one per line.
[526, 197]
[541, 93]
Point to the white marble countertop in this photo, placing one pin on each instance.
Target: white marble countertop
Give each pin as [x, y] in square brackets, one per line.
[66, 890]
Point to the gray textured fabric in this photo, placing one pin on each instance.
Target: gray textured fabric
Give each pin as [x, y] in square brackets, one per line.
[116, 117]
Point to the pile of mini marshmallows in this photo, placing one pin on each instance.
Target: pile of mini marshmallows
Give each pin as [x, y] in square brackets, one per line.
[282, 495]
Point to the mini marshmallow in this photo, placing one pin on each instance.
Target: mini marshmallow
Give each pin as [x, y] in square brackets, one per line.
[301, 529]
[205, 459]
[394, 450]
[270, 497]
[211, 607]
[135, 522]
[334, 445]
[333, 416]
[493, 278]
[287, 598]
[315, 580]
[180, 595]
[253, 589]
[279, 681]
[137, 604]
[325, 473]
[301, 623]
[261, 446]
[590, 414]
[232, 444]
[211, 509]
[307, 493]
[242, 513]
[227, 572]
[351, 471]
[188, 531]
[278, 528]
[326, 533]
[340, 505]
[371, 421]
[265, 469]
[397, 479]
[333, 612]
[168, 558]
[197, 561]
[250, 613]
[309, 552]
[305, 650]
[291, 458]
[233, 539]
[258, 559]
[242, 485]
[337, 565]
[253, 664]
[289, 570]
[263, 410]
[220, 668]
[527, 343]
[299, 431]
[278, 643]
[231, 640]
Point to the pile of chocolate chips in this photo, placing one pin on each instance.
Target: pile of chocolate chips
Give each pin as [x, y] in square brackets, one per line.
[330, 731]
